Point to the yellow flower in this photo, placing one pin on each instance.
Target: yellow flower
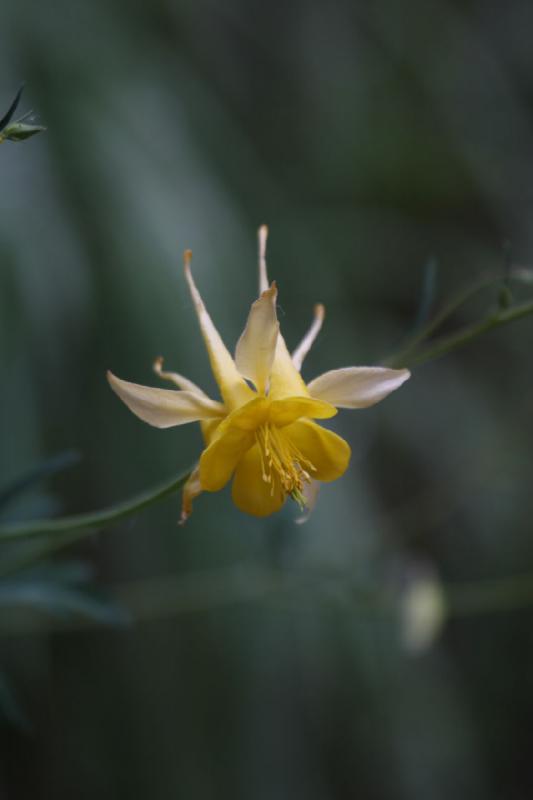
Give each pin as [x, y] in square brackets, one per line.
[262, 433]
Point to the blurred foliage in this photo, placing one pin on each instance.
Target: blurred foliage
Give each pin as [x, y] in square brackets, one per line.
[373, 139]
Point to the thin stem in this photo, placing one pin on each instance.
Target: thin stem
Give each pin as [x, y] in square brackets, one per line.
[499, 594]
[81, 524]
[405, 355]
[465, 335]
[434, 324]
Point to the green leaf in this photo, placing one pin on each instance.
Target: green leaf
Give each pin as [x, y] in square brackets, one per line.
[61, 601]
[61, 590]
[427, 295]
[9, 706]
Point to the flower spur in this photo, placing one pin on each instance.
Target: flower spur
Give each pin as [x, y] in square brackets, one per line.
[263, 432]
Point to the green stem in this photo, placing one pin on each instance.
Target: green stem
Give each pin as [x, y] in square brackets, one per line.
[79, 525]
[499, 594]
[434, 324]
[406, 356]
[463, 336]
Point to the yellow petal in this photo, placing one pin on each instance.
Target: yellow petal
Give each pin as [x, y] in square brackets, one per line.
[233, 437]
[283, 412]
[327, 452]
[307, 342]
[256, 347]
[219, 460]
[209, 428]
[357, 387]
[249, 416]
[232, 387]
[164, 408]
[250, 492]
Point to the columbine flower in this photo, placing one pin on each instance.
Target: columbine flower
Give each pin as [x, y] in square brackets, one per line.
[262, 432]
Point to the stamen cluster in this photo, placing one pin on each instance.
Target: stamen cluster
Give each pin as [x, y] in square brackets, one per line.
[280, 457]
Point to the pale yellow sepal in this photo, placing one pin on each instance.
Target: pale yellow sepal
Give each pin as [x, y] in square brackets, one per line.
[262, 236]
[232, 387]
[174, 377]
[307, 342]
[285, 380]
[254, 354]
[164, 408]
[357, 387]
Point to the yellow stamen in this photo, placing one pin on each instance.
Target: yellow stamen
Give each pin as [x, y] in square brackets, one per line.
[282, 459]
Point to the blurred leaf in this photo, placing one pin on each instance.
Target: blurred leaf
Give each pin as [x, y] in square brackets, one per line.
[55, 589]
[61, 601]
[427, 296]
[51, 466]
[9, 706]
[71, 572]
[505, 297]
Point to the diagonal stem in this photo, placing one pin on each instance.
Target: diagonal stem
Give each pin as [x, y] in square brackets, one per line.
[463, 336]
[407, 354]
[80, 524]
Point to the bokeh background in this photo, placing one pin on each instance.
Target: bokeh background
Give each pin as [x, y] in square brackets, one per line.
[374, 139]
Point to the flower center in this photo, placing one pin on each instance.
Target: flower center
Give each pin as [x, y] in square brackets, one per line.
[281, 458]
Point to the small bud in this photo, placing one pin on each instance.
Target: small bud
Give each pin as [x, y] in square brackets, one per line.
[19, 131]
[22, 128]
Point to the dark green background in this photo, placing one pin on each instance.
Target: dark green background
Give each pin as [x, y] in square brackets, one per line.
[371, 137]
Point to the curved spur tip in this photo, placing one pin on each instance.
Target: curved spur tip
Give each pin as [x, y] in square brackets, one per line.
[187, 258]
